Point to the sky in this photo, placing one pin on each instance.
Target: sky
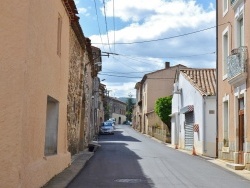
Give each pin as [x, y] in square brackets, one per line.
[142, 35]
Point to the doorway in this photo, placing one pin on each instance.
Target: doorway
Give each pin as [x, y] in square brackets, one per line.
[241, 131]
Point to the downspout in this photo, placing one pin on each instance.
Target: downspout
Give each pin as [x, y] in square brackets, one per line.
[217, 78]
[204, 124]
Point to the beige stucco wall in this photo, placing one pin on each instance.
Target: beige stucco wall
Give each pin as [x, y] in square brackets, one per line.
[226, 89]
[158, 84]
[30, 71]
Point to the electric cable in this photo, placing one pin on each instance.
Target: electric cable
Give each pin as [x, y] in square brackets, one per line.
[98, 24]
[106, 25]
[114, 21]
[134, 77]
[166, 38]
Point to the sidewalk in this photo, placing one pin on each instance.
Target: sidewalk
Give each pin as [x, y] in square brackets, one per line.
[66, 176]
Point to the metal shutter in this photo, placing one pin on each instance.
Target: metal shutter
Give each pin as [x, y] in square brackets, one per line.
[189, 131]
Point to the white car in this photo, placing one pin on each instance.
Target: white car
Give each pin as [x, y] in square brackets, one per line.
[107, 128]
[112, 119]
[113, 124]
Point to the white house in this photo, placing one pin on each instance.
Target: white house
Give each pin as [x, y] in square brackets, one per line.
[193, 122]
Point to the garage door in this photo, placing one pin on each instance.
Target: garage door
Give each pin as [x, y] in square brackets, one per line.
[189, 131]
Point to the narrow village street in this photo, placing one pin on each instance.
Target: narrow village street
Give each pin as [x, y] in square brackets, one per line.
[131, 159]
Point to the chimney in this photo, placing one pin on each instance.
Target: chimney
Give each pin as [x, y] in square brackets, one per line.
[167, 65]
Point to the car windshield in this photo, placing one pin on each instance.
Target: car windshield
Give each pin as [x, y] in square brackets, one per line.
[107, 124]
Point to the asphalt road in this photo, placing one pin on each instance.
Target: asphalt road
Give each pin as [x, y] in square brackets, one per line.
[130, 159]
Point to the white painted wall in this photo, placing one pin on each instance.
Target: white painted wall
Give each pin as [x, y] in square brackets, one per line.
[210, 127]
[204, 139]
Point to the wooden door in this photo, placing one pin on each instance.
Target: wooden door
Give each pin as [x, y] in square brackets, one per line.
[241, 137]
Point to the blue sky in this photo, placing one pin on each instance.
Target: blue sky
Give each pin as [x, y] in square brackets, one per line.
[162, 28]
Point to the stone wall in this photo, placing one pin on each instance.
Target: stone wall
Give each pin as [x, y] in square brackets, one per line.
[75, 92]
[88, 88]
[115, 106]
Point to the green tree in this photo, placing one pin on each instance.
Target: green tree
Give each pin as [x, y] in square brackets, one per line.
[163, 108]
[129, 107]
[106, 111]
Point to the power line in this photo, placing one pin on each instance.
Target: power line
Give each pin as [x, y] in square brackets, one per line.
[127, 72]
[114, 21]
[125, 65]
[166, 38]
[106, 25]
[135, 77]
[98, 23]
[191, 55]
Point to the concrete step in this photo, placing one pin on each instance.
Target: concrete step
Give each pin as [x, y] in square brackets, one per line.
[235, 166]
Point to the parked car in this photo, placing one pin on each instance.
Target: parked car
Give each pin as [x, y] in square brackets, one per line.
[107, 128]
[127, 123]
[113, 124]
[112, 119]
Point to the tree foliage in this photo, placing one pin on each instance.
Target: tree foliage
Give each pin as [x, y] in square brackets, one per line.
[163, 108]
[129, 107]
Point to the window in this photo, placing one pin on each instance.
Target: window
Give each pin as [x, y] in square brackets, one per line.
[225, 7]
[51, 132]
[225, 123]
[59, 34]
[225, 51]
[240, 32]
[239, 17]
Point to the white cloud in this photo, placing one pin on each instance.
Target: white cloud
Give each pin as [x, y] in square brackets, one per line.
[156, 20]
[82, 10]
[122, 89]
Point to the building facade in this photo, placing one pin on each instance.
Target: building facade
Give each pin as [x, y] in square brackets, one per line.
[115, 109]
[75, 125]
[152, 86]
[137, 111]
[193, 118]
[233, 81]
[34, 86]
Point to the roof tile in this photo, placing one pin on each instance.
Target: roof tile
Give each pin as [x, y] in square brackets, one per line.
[204, 80]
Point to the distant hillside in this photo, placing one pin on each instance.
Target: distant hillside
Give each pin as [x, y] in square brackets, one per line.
[125, 99]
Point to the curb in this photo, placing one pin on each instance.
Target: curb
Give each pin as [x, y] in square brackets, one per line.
[67, 175]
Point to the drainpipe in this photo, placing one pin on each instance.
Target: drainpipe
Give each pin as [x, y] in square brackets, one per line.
[217, 78]
[204, 124]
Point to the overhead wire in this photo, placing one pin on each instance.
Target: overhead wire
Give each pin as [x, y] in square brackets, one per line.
[134, 77]
[166, 38]
[142, 60]
[124, 64]
[98, 24]
[106, 24]
[127, 72]
[167, 57]
[114, 21]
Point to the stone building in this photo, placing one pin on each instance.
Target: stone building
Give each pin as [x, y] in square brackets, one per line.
[75, 124]
[115, 109]
[101, 100]
[91, 84]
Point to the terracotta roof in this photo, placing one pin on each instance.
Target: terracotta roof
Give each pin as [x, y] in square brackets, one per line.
[204, 80]
[71, 9]
[169, 68]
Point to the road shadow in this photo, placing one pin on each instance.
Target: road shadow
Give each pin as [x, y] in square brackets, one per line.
[114, 165]
[118, 136]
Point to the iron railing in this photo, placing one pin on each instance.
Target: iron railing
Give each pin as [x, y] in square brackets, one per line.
[236, 62]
